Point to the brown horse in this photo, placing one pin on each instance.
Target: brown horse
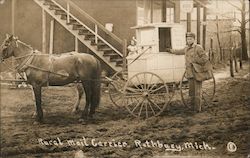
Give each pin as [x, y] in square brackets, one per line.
[56, 70]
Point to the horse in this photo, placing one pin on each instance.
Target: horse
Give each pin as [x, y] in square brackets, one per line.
[56, 70]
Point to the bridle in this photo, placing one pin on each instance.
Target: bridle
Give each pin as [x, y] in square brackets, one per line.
[28, 58]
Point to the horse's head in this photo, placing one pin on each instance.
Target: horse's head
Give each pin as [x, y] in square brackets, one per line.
[7, 47]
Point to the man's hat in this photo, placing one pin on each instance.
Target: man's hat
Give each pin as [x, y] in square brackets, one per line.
[190, 34]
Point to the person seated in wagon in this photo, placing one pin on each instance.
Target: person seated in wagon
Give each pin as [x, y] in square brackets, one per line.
[196, 61]
[132, 48]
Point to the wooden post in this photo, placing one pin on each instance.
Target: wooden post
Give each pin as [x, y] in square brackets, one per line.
[43, 31]
[13, 17]
[177, 11]
[198, 24]
[231, 63]
[235, 59]
[240, 54]
[163, 11]
[68, 10]
[204, 27]
[51, 38]
[188, 22]
[96, 32]
[13, 30]
[124, 61]
[222, 54]
[151, 11]
[211, 48]
[76, 44]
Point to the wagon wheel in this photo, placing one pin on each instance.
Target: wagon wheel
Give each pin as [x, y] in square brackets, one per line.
[207, 92]
[115, 87]
[146, 94]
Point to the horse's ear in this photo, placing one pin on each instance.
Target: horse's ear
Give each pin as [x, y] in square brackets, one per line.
[11, 37]
[7, 36]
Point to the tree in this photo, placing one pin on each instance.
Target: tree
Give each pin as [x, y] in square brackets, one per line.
[242, 29]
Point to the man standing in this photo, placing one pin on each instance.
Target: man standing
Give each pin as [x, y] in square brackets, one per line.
[194, 55]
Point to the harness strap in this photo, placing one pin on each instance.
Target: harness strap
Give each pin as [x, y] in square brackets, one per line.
[50, 69]
[140, 55]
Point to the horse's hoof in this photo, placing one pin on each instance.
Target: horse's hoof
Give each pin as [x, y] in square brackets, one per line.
[82, 121]
[34, 115]
[37, 122]
[75, 111]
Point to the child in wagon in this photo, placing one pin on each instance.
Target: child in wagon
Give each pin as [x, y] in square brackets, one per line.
[132, 48]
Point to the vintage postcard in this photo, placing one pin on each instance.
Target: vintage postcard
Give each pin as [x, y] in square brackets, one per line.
[124, 79]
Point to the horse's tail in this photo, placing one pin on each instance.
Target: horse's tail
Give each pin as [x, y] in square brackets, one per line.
[96, 85]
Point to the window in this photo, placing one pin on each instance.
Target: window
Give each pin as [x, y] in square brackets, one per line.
[164, 39]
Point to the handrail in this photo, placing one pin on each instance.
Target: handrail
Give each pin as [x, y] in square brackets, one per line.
[119, 53]
[93, 20]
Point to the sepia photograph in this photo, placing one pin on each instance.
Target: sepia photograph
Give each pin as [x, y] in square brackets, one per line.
[124, 79]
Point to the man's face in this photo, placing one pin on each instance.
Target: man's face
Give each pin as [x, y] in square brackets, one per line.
[190, 40]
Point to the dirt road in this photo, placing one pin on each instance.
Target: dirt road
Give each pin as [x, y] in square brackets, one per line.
[221, 130]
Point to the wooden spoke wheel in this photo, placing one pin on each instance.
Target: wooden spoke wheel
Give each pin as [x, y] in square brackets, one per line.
[207, 92]
[146, 95]
[116, 86]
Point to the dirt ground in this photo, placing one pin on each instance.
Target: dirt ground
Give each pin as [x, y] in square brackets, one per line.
[220, 130]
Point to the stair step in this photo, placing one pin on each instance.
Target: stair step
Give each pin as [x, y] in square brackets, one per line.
[105, 49]
[93, 41]
[82, 30]
[87, 37]
[110, 54]
[50, 3]
[64, 17]
[101, 44]
[119, 65]
[71, 21]
[116, 59]
[60, 12]
[55, 8]
[77, 26]
[119, 62]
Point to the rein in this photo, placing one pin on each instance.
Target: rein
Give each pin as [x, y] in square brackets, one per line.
[28, 59]
[139, 55]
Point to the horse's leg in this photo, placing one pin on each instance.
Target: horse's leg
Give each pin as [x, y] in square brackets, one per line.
[92, 106]
[38, 101]
[79, 91]
[34, 101]
[87, 90]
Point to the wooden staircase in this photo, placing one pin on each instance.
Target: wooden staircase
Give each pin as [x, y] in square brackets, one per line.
[101, 48]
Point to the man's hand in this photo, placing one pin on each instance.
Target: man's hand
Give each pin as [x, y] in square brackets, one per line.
[169, 50]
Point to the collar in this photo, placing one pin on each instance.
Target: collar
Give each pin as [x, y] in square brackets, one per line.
[26, 62]
[192, 46]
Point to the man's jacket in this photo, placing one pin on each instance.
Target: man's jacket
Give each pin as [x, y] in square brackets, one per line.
[195, 59]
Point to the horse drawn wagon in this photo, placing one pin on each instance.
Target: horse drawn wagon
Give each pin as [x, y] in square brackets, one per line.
[153, 75]
[145, 88]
